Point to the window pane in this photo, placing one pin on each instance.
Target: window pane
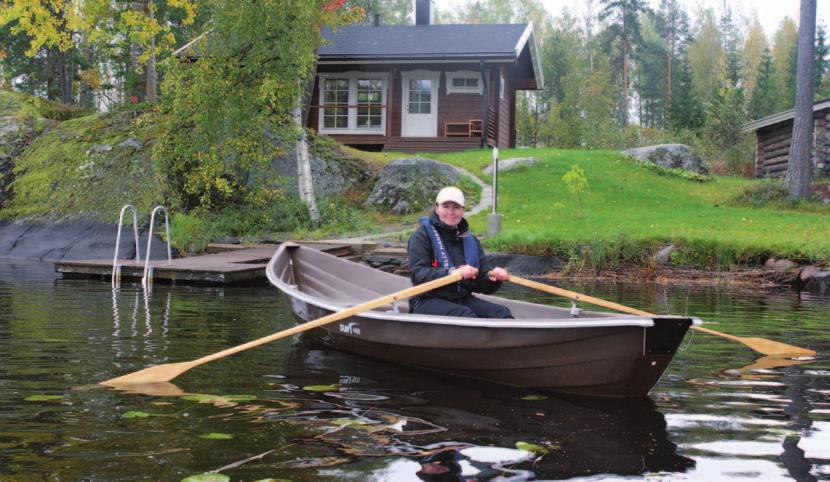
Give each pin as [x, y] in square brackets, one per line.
[374, 121]
[413, 108]
[328, 121]
[362, 111]
[426, 97]
[472, 82]
[426, 85]
[458, 82]
[425, 108]
[413, 85]
[413, 96]
[362, 96]
[342, 122]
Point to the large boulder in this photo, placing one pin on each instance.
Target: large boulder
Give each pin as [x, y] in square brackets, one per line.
[410, 185]
[331, 171]
[670, 156]
[510, 164]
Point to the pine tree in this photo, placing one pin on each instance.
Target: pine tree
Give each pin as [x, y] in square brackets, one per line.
[687, 110]
[624, 31]
[763, 100]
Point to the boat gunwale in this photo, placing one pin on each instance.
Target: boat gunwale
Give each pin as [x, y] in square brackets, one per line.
[525, 323]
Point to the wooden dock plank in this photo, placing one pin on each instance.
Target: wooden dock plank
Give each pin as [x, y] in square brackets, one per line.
[223, 267]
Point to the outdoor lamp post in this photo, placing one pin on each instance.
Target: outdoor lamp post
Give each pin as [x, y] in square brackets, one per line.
[494, 219]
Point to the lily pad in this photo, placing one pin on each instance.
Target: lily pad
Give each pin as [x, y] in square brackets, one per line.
[204, 398]
[532, 448]
[43, 398]
[534, 397]
[321, 388]
[207, 478]
[216, 436]
[135, 414]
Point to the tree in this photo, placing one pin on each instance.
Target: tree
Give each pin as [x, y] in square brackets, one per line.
[798, 169]
[673, 26]
[706, 57]
[752, 57]
[687, 110]
[822, 51]
[392, 12]
[624, 29]
[226, 115]
[784, 47]
[651, 84]
[764, 93]
[729, 39]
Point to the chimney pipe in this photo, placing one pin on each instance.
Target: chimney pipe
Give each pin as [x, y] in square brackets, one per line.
[377, 20]
[423, 12]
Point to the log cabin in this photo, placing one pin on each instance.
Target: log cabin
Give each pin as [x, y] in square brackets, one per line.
[773, 135]
[423, 87]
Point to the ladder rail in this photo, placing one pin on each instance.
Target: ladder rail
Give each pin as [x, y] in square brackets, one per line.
[145, 279]
[116, 269]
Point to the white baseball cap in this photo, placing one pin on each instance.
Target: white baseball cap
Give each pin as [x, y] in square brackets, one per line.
[450, 194]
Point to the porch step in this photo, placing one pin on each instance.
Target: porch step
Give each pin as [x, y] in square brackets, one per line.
[431, 144]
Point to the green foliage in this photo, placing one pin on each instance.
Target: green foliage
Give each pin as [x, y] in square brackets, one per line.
[675, 172]
[226, 114]
[57, 111]
[577, 183]
[773, 194]
[190, 234]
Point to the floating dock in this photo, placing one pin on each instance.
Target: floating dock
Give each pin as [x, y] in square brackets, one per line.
[224, 264]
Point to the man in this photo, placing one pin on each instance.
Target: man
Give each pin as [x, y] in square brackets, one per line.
[443, 244]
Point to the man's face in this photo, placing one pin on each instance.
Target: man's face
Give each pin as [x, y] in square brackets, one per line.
[450, 213]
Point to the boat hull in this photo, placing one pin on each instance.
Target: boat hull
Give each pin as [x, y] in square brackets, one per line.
[602, 356]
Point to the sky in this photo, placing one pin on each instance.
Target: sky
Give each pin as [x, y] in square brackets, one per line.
[770, 12]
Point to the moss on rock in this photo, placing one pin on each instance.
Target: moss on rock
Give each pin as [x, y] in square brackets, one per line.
[87, 167]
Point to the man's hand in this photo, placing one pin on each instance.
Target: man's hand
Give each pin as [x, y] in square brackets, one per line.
[498, 274]
[467, 271]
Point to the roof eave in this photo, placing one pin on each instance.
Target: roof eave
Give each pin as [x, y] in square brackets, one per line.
[779, 117]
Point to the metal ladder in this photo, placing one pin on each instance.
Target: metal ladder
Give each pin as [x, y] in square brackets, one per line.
[116, 268]
[147, 275]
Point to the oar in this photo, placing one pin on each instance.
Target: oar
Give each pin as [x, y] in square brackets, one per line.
[761, 345]
[169, 371]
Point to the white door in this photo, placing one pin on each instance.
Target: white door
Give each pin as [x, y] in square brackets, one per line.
[419, 116]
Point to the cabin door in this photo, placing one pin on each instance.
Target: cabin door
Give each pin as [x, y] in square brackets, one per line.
[419, 109]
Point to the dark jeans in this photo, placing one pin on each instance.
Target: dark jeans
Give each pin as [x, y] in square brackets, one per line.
[471, 307]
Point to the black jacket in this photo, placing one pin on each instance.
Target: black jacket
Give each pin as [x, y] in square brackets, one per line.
[421, 258]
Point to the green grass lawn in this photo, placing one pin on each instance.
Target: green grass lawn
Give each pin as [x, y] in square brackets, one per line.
[628, 209]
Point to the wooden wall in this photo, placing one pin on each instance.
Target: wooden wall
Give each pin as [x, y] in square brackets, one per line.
[772, 151]
[451, 107]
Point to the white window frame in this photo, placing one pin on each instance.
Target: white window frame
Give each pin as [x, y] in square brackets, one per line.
[352, 77]
[464, 74]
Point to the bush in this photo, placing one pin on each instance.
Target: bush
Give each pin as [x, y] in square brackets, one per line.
[189, 233]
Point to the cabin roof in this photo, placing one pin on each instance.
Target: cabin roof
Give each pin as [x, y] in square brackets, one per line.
[780, 117]
[431, 42]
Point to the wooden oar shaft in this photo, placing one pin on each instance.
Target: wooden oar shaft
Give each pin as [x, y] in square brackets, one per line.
[761, 345]
[340, 315]
[169, 371]
[576, 296]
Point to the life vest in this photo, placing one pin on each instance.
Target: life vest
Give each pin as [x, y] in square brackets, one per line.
[439, 251]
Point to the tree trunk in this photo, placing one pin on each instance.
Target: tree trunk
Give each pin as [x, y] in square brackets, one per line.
[85, 97]
[65, 77]
[670, 57]
[306, 185]
[800, 165]
[625, 68]
[151, 91]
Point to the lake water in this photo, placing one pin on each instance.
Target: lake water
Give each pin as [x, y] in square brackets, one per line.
[296, 411]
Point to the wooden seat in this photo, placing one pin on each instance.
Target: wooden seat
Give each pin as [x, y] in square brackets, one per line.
[456, 129]
[475, 128]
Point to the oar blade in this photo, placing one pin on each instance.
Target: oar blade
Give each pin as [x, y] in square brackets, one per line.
[154, 374]
[775, 348]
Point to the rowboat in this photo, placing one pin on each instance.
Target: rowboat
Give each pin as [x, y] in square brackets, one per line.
[546, 347]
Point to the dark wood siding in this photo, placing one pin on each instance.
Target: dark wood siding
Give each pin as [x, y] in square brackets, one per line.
[772, 150]
[453, 107]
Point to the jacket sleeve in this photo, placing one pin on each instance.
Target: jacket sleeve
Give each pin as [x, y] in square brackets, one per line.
[419, 251]
[484, 285]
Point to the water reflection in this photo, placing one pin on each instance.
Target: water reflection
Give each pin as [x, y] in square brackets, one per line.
[583, 436]
[297, 411]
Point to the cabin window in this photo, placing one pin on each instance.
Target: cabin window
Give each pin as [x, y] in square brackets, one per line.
[420, 96]
[336, 114]
[464, 82]
[353, 103]
[369, 103]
